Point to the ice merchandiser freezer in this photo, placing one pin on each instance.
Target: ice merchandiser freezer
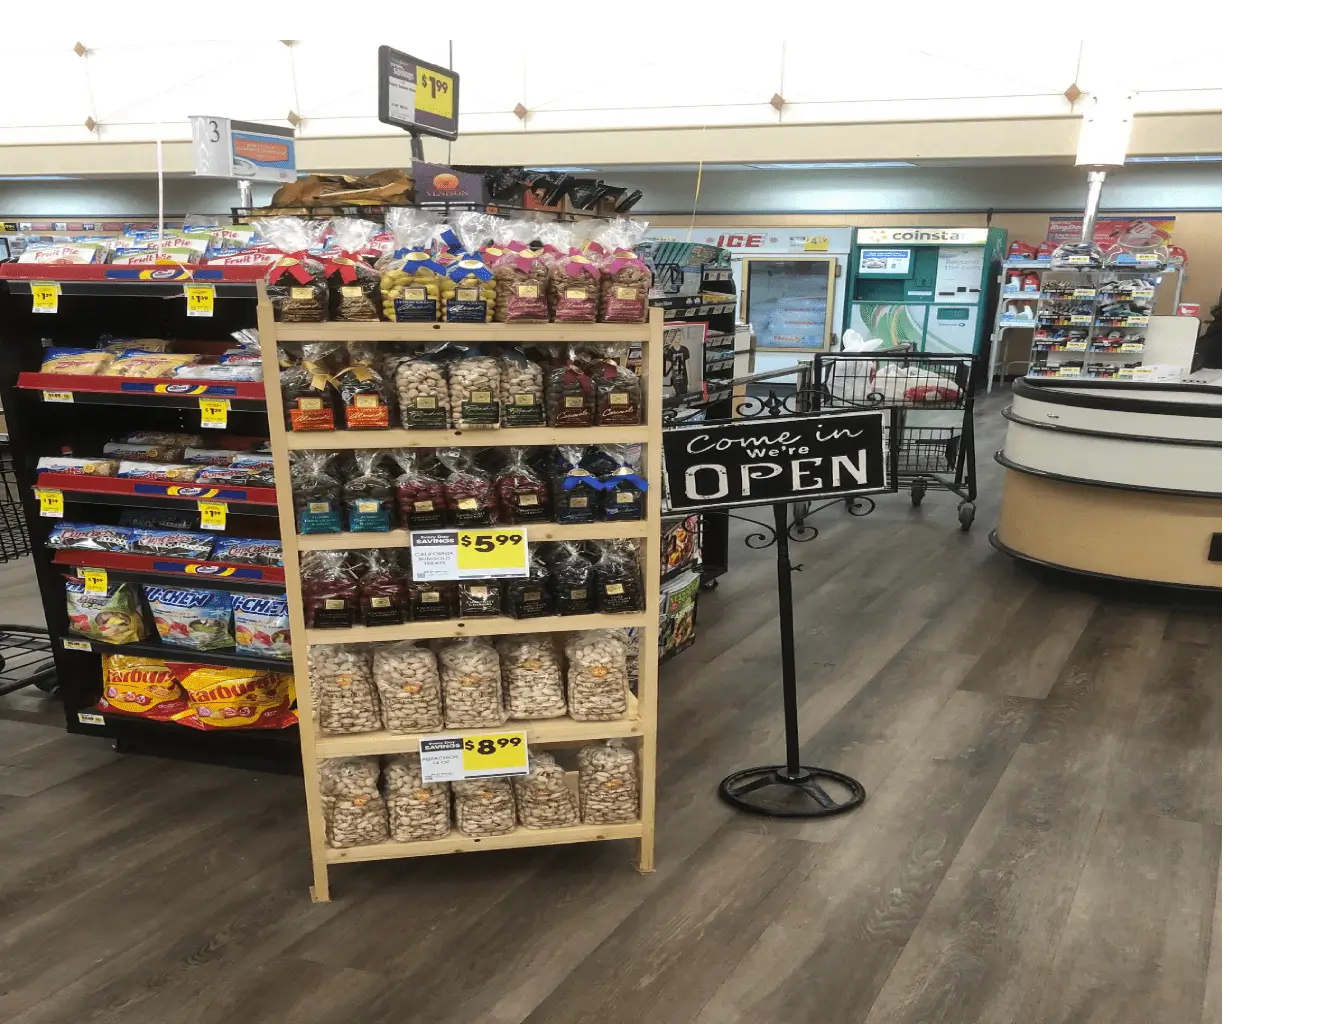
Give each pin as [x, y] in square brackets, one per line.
[791, 284]
[933, 288]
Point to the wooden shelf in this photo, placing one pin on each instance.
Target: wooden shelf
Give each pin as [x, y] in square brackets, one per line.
[457, 843]
[498, 626]
[536, 534]
[539, 731]
[499, 334]
[343, 440]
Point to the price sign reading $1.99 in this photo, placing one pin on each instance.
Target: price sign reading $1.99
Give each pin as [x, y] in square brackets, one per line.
[478, 756]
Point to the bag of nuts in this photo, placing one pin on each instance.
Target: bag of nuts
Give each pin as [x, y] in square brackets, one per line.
[364, 392]
[574, 288]
[329, 590]
[597, 676]
[472, 684]
[353, 810]
[433, 600]
[531, 597]
[625, 279]
[532, 679]
[297, 286]
[342, 685]
[618, 393]
[417, 810]
[411, 282]
[468, 489]
[521, 390]
[407, 678]
[573, 576]
[543, 797]
[484, 807]
[473, 391]
[468, 291]
[422, 392]
[607, 783]
[523, 496]
[623, 489]
[480, 599]
[421, 498]
[316, 492]
[309, 395]
[618, 578]
[368, 495]
[383, 600]
[521, 281]
[570, 394]
[353, 282]
[575, 489]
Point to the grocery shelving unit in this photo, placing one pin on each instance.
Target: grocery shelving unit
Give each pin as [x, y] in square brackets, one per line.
[640, 722]
[49, 414]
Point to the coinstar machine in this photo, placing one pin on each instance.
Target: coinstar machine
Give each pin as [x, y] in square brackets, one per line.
[932, 288]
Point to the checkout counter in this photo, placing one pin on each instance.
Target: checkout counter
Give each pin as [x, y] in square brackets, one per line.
[1115, 478]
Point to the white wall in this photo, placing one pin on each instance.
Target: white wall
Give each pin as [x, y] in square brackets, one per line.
[1139, 188]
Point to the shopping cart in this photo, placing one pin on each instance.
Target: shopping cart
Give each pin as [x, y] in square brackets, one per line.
[14, 541]
[929, 400]
[25, 659]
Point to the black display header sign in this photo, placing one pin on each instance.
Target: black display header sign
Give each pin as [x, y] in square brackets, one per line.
[417, 96]
[767, 460]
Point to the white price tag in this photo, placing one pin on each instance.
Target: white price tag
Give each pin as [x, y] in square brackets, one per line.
[88, 718]
[77, 645]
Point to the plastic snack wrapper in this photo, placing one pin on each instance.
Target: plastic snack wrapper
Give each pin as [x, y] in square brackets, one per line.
[484, 807]
[623, 489]
[309, 395]
[575, 488]
[468, 490]
[625, 278]
[364, 392]
[186, 617]
[422, 499]
[471, 675]
[329, 590]
[144, 451]
[263, 625]
[412, 279]
[235, 698]
[144, 687]
[407, 678]
[607, 783]
[353, 282]
[148, 364]
[597, 675]
[316, 492]
[170, 439]
[90, 537]
[523, 496]
[172, 543]
[114, 617]
[532, 676]
[83, 361]
[248, 551]
[383, 593]
[433, 600]
[77, 467]
[367, 496]
[171, 471]
[297, 282]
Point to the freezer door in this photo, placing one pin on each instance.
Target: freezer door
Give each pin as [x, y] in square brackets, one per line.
[789, 301]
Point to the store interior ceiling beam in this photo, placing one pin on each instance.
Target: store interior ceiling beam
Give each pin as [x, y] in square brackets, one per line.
[1007, 139]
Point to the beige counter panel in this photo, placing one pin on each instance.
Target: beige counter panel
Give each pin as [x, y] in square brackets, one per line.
[1138, 535]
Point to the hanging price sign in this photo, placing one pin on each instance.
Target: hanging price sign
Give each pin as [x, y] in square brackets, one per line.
[212, 515]
[52, 504]
[45, 296]
[478, 756]
[213, 411]
[199, 299]
[470, 554]
[94, 581]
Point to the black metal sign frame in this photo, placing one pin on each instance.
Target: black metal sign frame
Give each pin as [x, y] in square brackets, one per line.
[767, 460]
[395, 70]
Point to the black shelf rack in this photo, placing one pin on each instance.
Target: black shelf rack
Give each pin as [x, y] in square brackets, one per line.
[40, 427]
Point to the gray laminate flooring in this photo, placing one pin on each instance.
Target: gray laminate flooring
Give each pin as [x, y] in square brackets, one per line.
[1040, 843]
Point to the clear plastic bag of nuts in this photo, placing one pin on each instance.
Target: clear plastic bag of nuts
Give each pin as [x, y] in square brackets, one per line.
[607, 783]
[422, 391]
[521, 390]
[543, 797]
[470, 672]
[597, 676]
[473, 392]
[353, 809]
[532, 679]
[342, 683]
[417, 810]
[484, 807]
[407, 680]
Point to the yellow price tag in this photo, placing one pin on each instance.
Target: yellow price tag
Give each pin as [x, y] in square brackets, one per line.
[486, 554]
[434, 93]
[199, 299]
[494, 753]
[212, 515]
[94, 581]
[212, 412]
[45, 296]
[817, 243]
[63, 397]
[52, 504]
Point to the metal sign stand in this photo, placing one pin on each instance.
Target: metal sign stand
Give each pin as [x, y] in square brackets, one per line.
[791, 790]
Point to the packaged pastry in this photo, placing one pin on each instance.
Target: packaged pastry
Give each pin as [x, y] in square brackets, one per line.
[247, 551]
[171, 439]
[83, 361]
[219, 371]
[114, 617]
[297, 283]
[143, 451]
[172, 471]
[187, 617]
[235, 698]
[315, 492]
[172, 543]
[367, 496]
[468, 490]
[364, 392]
[411, 281]
[263, 625]
[329, 590]
[148, 364]
[123, 345]
[90, 537]
[421, 495]
[145, 687]
[573, 289]
[309, 395]
[77, 467]
[208, 456]
[353, 282]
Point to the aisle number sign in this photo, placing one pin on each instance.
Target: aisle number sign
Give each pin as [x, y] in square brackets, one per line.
[476, 756]
[52, 504]
[212, 515]
[416, 95]
[199, 299]
[497, 553]
[45, 296]
[212, 412]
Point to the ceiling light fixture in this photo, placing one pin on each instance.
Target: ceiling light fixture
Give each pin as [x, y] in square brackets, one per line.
[1207, 158]
[839, 165]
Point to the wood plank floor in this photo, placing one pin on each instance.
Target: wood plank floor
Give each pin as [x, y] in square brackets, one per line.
[1040, 843]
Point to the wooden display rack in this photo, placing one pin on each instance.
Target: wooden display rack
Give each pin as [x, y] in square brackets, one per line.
[640, 722]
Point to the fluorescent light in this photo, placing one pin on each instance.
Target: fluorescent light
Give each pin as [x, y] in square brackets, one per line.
[566, 170]
[843, 165]
[1208, 158]
[36, 177]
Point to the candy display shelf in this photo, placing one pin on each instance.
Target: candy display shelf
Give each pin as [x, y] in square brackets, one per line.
[639, 726]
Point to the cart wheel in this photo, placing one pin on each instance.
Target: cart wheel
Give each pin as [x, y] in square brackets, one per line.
[710, 584]
[917, 490]
[966, 514]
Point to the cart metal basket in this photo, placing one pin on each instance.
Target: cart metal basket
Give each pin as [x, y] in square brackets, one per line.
[14, 540]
